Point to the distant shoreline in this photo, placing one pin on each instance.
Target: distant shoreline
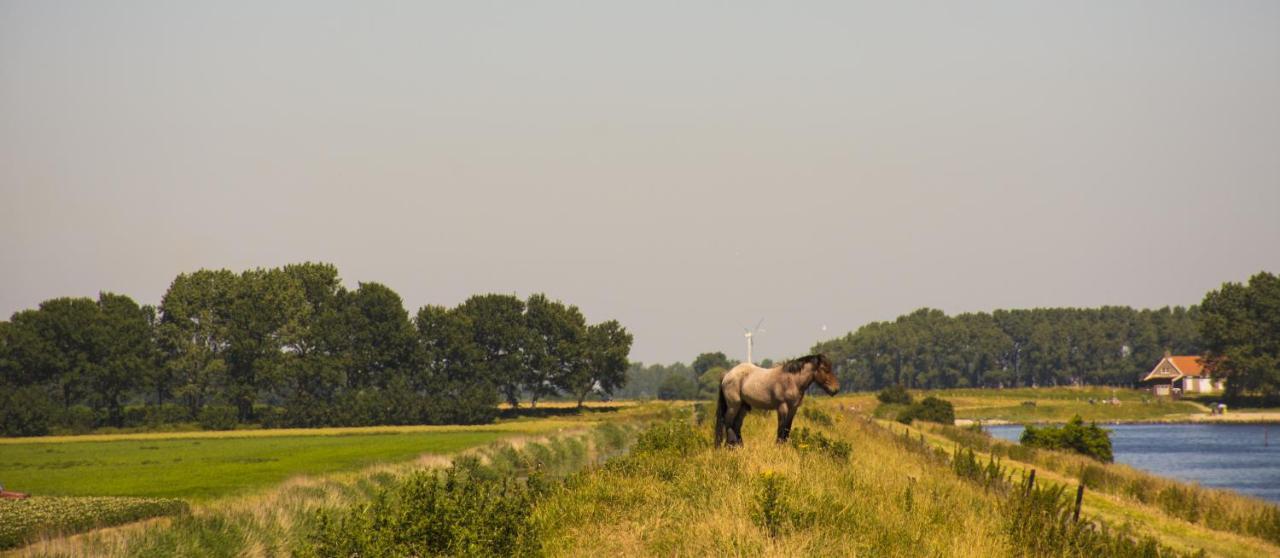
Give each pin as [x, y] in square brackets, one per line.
[1264, 417]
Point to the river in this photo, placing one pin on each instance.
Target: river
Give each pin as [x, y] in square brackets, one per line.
[1240, 457]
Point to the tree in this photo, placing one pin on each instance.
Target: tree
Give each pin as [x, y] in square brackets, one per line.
[709, 382]
[193, 334]
[603, 365]
[557, 336]
[677, 388]
[454, 391]
[1241, 329]
[707, 361]
[498, 330]
[123, 353]
[268, 312]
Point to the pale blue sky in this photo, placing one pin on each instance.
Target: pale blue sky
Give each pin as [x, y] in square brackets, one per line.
[686, 168]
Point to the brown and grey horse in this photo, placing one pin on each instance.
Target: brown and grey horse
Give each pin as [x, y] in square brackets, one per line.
[782, 387]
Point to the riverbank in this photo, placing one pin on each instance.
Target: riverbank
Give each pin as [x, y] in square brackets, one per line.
[1261, 417]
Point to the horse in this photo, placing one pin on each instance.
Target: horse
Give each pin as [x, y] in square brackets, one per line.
[782, 387]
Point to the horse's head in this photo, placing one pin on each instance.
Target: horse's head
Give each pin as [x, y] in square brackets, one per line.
[820, 366]
[824, 375]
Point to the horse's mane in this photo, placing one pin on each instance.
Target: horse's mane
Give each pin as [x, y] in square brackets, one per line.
[797, 364]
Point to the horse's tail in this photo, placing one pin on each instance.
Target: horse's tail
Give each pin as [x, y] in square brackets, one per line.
[722, 408]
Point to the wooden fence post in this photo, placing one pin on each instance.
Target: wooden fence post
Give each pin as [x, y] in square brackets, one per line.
[1031, 481]
[1079, 498]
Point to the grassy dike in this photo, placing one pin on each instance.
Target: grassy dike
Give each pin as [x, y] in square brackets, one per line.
[847, 485]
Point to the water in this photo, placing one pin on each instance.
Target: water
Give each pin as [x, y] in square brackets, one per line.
[1230, 456]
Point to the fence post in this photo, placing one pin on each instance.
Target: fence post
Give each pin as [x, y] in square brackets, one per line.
[1079, 498]
[1031, 481]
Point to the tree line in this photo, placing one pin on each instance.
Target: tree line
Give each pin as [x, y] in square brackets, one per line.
[1112, 345]
[292, 346]
[1236, 329]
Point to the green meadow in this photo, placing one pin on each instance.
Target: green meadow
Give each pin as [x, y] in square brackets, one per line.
[199, 469]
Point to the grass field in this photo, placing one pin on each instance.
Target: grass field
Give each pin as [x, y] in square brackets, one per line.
[201, 465]
[200, 469]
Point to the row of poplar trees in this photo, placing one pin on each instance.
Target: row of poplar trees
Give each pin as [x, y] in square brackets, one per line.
[292, 347]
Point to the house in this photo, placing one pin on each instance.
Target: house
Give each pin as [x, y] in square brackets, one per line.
[1176, 375]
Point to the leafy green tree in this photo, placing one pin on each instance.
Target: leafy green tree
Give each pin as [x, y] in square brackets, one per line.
[123, 353]
[557, 338]
[603, 365]
[268, 313]
[454, 392]
[193, 335]
[498, 330]
[707, 361]
[1241, 329]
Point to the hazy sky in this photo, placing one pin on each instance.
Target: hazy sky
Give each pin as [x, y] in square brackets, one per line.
[687, 168]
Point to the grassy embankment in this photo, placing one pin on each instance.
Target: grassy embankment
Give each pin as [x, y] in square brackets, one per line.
[849, 486]
[1058, 404]
[224, 471]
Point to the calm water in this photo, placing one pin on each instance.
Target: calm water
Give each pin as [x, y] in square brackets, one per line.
[1230, 456]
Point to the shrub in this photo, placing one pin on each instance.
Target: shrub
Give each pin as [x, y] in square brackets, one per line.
[675, 435]
[931, 409]
[894, 395]
[217, 417]
[454, 513]
[1074, 436]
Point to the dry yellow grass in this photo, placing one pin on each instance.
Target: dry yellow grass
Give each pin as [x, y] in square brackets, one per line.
[885, 501]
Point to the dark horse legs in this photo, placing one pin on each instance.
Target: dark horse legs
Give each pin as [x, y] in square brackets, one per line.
[735, 425]
[785, 416]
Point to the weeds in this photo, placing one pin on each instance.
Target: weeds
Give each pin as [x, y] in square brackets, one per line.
[805, 440]
[772, 512]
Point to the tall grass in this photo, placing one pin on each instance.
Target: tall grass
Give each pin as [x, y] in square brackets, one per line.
[1216, 509]
[675, 495]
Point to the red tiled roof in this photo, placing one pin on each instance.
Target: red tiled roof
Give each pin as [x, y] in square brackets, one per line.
[1188, 365]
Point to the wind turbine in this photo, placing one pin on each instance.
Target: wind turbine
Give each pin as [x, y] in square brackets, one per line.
[750, 335]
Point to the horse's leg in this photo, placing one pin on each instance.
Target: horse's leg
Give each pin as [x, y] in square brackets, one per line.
[786, 413]
[735, 426]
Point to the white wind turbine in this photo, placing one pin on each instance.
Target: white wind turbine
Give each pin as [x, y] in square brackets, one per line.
[750, 335]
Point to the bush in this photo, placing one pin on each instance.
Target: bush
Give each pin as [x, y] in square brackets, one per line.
[931, 409]
[25, 412]
[894, 395]
[217, 417]
[459, 512]
[675, 435]
[1073, 436]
